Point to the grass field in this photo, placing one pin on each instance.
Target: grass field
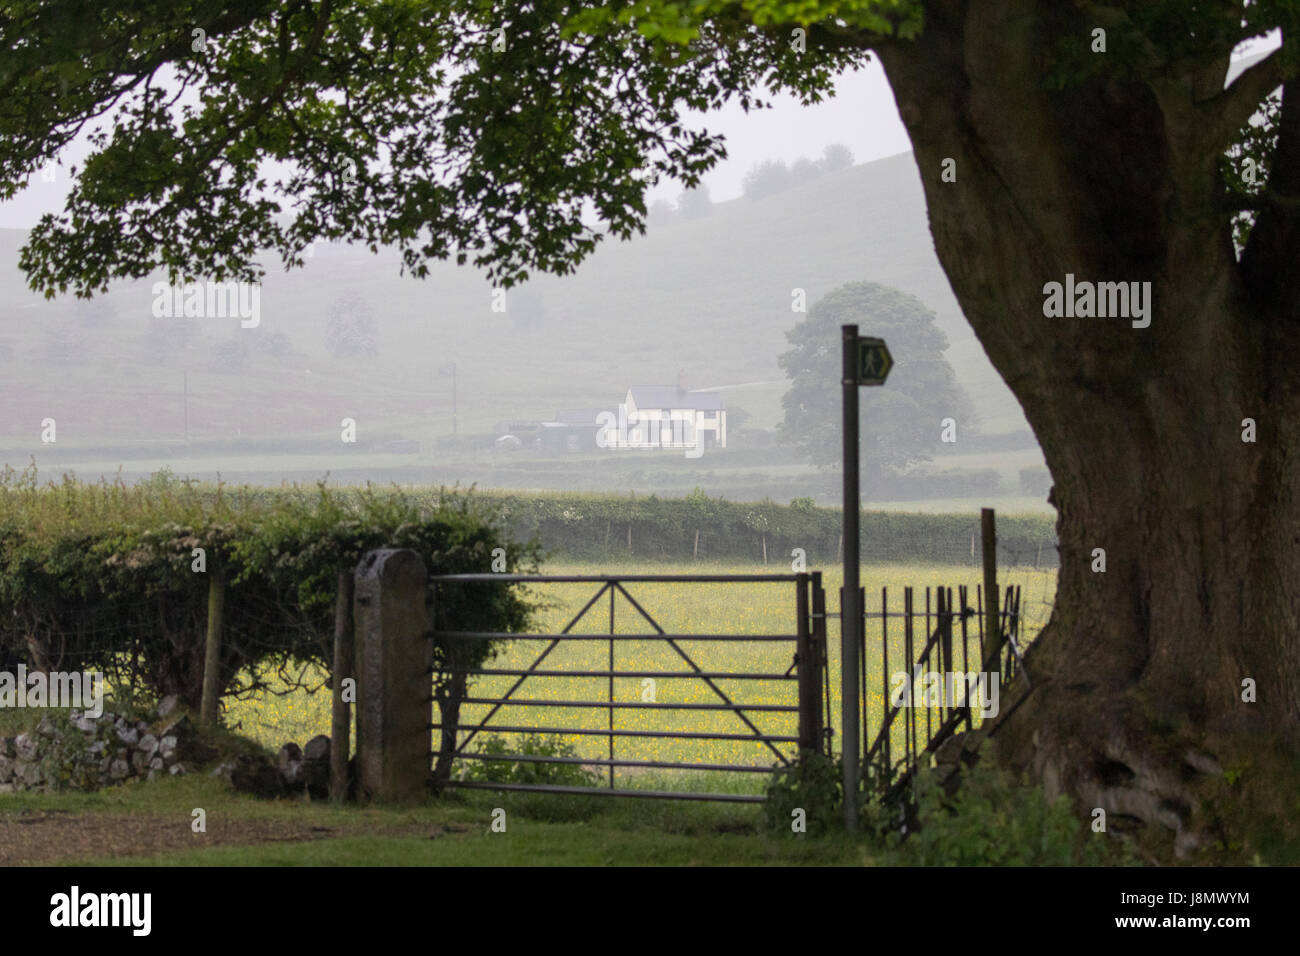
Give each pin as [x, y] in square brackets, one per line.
[723, 608]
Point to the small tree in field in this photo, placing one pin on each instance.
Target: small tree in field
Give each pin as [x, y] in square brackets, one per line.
[804, 170]
[767, 179]
[901, 421]
[695, 203]
[351, 330]
[835, 157]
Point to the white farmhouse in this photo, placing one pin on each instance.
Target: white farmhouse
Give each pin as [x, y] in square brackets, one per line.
[666, 416]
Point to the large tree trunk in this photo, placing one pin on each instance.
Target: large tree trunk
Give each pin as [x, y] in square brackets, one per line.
[1138, 678]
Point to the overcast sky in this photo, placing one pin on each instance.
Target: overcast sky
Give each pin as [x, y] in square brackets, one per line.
[861, 115]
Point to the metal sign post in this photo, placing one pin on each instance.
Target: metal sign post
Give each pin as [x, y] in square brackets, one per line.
[865, 361]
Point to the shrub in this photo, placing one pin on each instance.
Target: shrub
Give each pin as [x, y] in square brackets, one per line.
[67, 763]
[995, 819]
[551, 807]
[992, 819]
[813, 784]
[528, 771]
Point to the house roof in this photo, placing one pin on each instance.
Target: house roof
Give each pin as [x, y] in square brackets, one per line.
[670, 396]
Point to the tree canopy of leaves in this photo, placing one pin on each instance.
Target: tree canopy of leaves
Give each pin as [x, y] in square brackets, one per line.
[901, 421]
[223, 132]
[378, 123]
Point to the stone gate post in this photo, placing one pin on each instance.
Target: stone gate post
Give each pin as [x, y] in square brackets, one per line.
[392, 671]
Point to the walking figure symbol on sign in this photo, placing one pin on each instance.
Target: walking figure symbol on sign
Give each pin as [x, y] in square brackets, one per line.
[874, 361]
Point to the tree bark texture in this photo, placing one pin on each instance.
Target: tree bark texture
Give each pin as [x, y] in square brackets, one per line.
[1138, 695]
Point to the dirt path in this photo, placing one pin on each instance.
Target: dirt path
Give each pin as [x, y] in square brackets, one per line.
[54, 836]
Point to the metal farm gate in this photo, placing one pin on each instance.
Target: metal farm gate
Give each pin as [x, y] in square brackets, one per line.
[806, 676]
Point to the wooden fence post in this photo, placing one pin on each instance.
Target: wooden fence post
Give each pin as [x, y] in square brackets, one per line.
[341, 727]
[994, 644]
[212, 652]
[811, 647]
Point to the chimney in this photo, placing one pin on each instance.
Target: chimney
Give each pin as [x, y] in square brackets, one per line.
[681, 381]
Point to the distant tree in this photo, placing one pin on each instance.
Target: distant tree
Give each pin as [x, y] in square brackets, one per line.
[767, 179]
[901, 420]
[804, 170]
[835, 157]
[660, 213]
[695, 203]
[351, 329]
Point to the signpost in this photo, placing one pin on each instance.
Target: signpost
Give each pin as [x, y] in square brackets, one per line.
[865, 361]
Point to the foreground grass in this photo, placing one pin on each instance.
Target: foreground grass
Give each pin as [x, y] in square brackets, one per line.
[455, 830]
[526, 844]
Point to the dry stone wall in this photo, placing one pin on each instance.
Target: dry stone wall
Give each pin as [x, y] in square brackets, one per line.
[81, 752]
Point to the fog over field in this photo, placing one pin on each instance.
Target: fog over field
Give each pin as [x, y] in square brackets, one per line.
[134, 384]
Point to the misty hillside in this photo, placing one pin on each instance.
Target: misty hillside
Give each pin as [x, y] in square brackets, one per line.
[709, 298]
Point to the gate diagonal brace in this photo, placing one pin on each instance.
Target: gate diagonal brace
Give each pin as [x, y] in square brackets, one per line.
[686, 657]
[555, 642]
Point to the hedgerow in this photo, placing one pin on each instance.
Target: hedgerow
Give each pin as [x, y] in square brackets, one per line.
[614, 527]
[115, 578]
